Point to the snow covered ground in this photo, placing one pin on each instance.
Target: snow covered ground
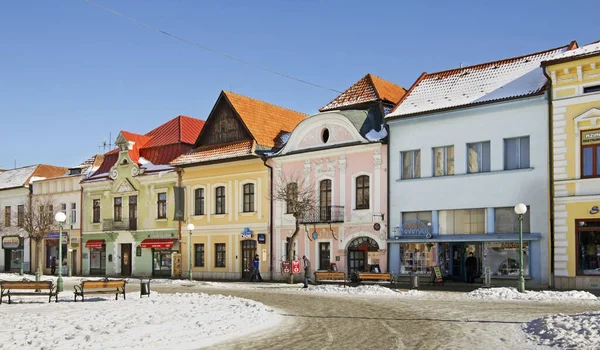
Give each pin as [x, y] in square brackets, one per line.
[581, 331]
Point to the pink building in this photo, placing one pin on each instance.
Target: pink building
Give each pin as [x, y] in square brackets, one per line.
[340, 154]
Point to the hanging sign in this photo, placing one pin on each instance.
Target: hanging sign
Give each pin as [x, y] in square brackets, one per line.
[296, 266]
[247, 233]
[285, 267]
[262, 238]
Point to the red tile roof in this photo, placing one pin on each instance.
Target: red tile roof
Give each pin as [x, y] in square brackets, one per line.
[368, 89]
[215, 152]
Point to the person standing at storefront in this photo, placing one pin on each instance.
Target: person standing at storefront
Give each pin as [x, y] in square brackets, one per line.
[52, 265]
[255, 274]
[306, 271]
[471, 265]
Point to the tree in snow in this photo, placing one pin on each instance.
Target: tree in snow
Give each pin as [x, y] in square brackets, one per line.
[38, 220]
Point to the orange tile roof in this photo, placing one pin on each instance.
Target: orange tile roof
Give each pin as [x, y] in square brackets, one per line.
[215, 152]
[265, 121]
[368, 89]
[180, 129]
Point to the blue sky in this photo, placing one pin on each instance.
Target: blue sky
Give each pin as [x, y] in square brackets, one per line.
[72, 73]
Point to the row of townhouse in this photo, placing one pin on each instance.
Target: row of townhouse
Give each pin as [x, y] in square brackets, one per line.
[403, 180]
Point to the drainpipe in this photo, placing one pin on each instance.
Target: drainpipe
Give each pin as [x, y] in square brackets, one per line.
[387, 202]
[179, 183]
[81, 226]
[264, 159]
[30, 245]
[551, 178]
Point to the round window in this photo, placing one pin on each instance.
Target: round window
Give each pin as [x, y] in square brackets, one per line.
[325, 135]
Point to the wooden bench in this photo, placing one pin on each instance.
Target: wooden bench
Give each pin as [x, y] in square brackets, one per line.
[330, 276]
[26, 287]
[104, 286]
[372, 276]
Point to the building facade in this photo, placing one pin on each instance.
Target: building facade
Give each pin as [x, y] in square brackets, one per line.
[466, 146]
[575, 138]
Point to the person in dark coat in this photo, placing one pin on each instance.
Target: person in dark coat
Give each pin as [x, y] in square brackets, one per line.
[53, 265]
[471, 265]
[306, 271]
[255, 273]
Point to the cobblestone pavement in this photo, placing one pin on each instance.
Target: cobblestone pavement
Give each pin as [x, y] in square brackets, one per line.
[331, 321]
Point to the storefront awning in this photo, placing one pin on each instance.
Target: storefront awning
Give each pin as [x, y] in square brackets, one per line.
[94, 243]
[158, 243]
[496, 237]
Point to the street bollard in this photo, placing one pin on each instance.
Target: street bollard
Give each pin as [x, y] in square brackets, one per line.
[487, 277]
[414, 281]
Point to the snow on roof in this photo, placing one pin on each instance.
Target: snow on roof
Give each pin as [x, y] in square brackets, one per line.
[589, 49]
[513, 77]
[16, 177]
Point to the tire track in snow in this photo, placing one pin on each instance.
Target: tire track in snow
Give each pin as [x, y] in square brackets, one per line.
[399, 343]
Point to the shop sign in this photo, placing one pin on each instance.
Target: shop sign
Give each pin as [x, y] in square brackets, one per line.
[415, 228]
[285, 267]
[161, 235]
[262, 238]
[11, 242]
[296, 266]
[506, 246]
[247, 233]
[594, 210]
[591, 137]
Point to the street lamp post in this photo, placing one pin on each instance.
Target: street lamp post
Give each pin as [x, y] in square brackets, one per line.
[190, 228]
[60, 217]
[22, 253]
[520, 210]
[70, 254]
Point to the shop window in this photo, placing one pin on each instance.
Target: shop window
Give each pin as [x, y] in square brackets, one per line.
[423, 216]
[411, 164]
[516, 153]
[199, 255]
[503, 258]
[73, 213]
[462, 221]
[20, 215]
[220, 200]
[248, 198]
[478, 157]
[162, 205]
[507, 221]
[7, 216]
[220, 255]
[292, 194]
[96, 211]
[588, 247]
[199, 201]
[325, 199]
[590, 153]
[362, 192]
[324, 256]
[118, 209]
[417, 258]
[443, 161]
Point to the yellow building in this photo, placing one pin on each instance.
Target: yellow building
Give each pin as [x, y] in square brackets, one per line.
[575, 137]
[227, 184]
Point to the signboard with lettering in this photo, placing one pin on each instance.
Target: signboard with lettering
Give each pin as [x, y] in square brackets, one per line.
[438, 274]
[285, 267]
[11, 242]
[415, 228]
[296, 266]
[247, 233]
[590, 137]
[262, 238]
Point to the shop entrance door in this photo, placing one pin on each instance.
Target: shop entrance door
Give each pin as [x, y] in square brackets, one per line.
[7, 256]
[356, 261]
[126, 259]
[248, 252]
[458, 262]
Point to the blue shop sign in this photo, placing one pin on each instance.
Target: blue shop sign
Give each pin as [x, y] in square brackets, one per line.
[54, 235]
[414, 228]
[247, 233]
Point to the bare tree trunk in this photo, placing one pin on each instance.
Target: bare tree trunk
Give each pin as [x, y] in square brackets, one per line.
[290, 252]
[39, 256]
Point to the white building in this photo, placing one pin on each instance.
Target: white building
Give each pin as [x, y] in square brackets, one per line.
[466, 145]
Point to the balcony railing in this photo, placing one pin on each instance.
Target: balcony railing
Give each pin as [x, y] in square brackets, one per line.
[125, 224]
[324, 214]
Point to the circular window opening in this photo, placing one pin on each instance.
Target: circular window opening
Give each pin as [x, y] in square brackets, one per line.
[325, 135]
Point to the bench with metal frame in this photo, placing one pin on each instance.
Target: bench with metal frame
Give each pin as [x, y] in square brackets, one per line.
[330, 276]
[372, 276]
[103, 286]
[28, 288]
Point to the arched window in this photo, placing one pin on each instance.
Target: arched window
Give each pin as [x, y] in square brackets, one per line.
[199, 201]
[362, 192]
[325, 199]
[248, 198]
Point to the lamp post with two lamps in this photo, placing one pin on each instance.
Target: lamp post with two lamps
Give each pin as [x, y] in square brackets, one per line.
[520, 210]
[190, 228]
[60, 217]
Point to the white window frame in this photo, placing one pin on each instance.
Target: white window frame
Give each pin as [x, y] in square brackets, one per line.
[412, 166]
[353, 194]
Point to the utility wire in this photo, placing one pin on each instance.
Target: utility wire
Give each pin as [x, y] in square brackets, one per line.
[208, 48]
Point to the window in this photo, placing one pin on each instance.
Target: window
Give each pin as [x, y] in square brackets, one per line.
[199, 201]
[20, 215]
[199, 255]
[324, 256]
[220, 200]
[362, 192]
[462, 221]
[118, 209]
[503, 258]
[443, 161]
[292, 194]
[96, 210]
[248, 198]
[411, 164]
[7, 216]
[162, 205]
[590, 89]
[63, 208]
[73, 213]
[220, 255]
[50, 212]
[423, 216]
[325, 199]
[516, 153]
[478, 157]
[590, 153]
[507, 221]
[588, 247]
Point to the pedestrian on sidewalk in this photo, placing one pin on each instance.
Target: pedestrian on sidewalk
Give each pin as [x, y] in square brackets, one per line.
[255, 273]
[52, 265]
[471, 264]
[306, 271]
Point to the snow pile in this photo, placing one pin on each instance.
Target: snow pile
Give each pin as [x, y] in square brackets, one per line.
[581, 331]
[163, 321]
[512, 294]
[362, 289]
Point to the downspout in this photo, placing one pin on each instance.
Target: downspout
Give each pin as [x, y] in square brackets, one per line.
[551, 178]
[30, 245]
[264, 159]
[81, 226]
[179, 183]
[387, 202]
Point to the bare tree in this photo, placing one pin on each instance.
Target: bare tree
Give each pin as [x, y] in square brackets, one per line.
[38, 220]
[299, 196]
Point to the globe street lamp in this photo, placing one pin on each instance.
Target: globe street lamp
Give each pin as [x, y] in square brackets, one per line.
[60, 217]
[520, 210]
[190, 228]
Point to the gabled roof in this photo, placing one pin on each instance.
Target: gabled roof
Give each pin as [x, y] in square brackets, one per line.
[493, 81]
[265, 121]
[215, 152]
[368, 89]
[21, 177]
[591, 49]
[180, 129]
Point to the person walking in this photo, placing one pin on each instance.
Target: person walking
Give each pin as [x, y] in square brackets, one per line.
[306, 271]
[255, 273]
[471, 265]
[52, 265]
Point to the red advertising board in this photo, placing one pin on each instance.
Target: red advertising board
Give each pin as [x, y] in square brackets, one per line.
[285, 267]
[296, 266]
